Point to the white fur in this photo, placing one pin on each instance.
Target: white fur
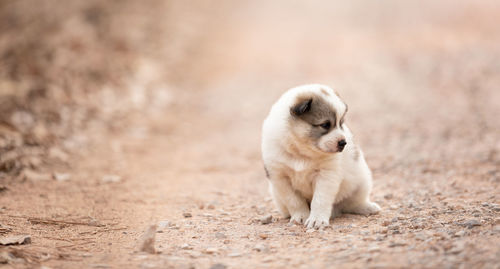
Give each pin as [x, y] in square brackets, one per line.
[317, 184]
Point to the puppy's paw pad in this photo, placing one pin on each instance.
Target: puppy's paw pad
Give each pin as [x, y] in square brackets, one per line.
[316, 222]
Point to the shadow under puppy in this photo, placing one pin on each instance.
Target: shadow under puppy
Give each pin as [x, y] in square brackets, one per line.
[315, 169]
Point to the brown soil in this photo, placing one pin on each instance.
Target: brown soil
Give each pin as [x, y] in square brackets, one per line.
[421, 81]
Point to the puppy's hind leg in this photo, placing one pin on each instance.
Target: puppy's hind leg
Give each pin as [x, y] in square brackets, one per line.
[360, 205]
[359, 202]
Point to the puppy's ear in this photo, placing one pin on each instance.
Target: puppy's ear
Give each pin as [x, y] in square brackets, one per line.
[302, 107]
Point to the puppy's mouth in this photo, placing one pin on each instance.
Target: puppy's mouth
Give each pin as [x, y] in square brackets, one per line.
[332, 151]
[334, 147]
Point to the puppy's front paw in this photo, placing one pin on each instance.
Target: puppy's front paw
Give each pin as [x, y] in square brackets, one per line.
[317, 222]
[299, 217]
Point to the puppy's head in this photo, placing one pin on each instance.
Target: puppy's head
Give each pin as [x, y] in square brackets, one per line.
[317, 121]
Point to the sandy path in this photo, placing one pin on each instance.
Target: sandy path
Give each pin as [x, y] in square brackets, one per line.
[219, 181]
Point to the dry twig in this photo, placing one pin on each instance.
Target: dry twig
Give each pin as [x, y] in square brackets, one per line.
[63, 222]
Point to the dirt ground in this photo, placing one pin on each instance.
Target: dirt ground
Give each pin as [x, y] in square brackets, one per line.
[422, 83]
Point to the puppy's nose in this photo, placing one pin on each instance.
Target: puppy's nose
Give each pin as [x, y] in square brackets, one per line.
[341, 144]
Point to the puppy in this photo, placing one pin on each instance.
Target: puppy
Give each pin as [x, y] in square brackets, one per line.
[315, 169]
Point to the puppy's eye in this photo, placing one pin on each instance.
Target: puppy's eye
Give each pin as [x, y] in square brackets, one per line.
[325, 125]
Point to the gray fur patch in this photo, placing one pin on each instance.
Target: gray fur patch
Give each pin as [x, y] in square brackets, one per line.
[317, 112]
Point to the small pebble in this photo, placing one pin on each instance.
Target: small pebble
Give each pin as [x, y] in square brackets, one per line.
[393, 227]
[111, 179]
[62, 176]
[397, 244]
[220, 236]
[164, 224]
[147, 241]
[234, 254]
[267, 219]
[100, 265]
[194, 254]
[260, 247]
[456, 249]
[388, 196]
[263, 236]
[15, 240]
[459, 234]
[471, 223]
[34, 175]
[380, 238]
[218, 266]
[211, 250]
[266, 260]
[186, 246]
[187, 214]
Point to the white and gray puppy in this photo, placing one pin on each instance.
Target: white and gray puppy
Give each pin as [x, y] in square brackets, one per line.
[314, 168]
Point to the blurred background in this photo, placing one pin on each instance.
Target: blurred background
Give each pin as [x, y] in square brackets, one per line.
[414, 69]
[125, 113]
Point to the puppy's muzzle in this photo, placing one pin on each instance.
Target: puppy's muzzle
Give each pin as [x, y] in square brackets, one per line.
[341, 145]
